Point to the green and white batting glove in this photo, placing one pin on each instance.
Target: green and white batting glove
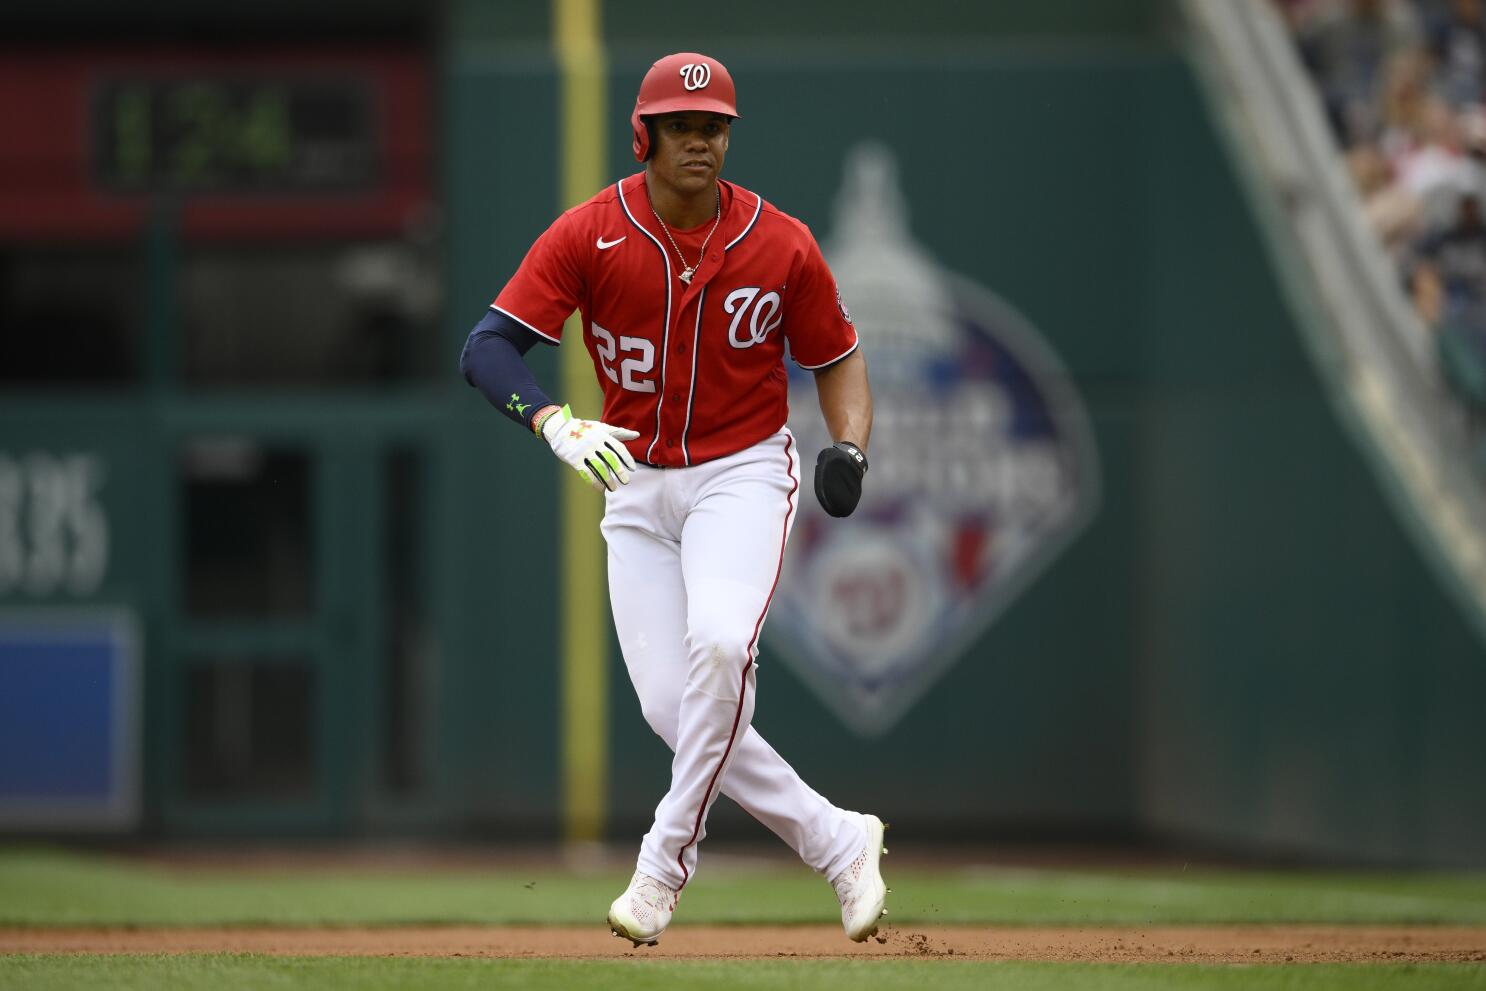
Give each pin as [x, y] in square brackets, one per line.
[595, 450]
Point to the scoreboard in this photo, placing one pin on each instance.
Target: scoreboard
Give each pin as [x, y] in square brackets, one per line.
[249, 145]
[210, 133]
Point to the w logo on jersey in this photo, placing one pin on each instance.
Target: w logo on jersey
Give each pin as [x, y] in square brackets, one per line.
[765, 313]
[696, 75]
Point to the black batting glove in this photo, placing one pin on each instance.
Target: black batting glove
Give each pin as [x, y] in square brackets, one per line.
[838, 478]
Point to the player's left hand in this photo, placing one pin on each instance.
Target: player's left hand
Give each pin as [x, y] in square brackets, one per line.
[838, 477]
[592, 448]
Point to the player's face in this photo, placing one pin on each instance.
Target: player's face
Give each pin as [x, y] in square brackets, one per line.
[689, 149]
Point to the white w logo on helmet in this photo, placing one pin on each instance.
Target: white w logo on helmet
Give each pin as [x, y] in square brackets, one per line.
[695, 75]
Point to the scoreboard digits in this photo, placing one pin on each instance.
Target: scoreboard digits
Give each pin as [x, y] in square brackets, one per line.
[231, 135]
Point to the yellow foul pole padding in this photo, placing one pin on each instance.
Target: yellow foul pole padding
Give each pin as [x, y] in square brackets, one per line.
[584, 616]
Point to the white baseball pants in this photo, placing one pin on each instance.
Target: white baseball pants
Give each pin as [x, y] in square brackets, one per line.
[694, 556]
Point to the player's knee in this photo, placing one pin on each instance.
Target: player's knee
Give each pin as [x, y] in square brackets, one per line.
[718, 657]
[660, 704]
[662, 716]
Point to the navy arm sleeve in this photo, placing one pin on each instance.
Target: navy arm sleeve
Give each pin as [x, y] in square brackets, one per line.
[492, 362]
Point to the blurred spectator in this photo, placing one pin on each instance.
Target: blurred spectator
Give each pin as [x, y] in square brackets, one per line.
[1395, 213]
[1407, 92]
[1403, 83]
[1450, 277]
[1297, 13]
[1432, 164]
[1457, 40]
[1347, 44]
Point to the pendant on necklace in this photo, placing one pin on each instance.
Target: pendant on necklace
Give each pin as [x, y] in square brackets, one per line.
[686, 275]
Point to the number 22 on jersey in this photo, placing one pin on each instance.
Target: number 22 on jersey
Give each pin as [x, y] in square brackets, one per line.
[640, 360]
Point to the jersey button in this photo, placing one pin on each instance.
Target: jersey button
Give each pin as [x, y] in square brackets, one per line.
[675, 397]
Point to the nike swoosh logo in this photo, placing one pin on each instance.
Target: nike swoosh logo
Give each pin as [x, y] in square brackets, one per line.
[602, 244]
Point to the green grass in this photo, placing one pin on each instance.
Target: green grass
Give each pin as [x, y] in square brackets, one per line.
[49, 888]
[289, 973]
[210, 973]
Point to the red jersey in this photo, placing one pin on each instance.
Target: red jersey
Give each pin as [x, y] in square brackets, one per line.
[697, 370]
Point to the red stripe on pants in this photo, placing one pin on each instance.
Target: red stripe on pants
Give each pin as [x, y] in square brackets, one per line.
[789, 501]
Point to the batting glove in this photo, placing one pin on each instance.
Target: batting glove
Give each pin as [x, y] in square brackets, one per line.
[594, 449]
[838, 477]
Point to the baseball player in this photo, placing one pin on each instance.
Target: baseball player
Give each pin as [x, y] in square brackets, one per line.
[690, 288]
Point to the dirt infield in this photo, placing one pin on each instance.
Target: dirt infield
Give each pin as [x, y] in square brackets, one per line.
[1164, 944]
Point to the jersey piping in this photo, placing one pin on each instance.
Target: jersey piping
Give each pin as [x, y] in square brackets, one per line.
[691, 392]
[546, 337]
[665, 343]
[758, 208]
[828, 364]
[696, 334]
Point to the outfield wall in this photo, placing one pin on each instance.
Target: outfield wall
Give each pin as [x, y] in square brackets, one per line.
[1240, 647]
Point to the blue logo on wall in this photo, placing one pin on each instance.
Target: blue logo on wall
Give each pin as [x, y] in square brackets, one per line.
[983, 469]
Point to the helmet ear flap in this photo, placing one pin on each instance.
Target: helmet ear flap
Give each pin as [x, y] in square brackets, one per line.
[644, 130]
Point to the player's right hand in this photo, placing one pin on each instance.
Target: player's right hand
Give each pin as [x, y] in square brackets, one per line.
[595, 450]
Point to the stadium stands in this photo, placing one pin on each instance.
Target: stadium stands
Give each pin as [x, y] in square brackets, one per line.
[1403, 83]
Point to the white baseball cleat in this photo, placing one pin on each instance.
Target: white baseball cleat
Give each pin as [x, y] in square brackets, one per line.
[860, 888]
[642, 913]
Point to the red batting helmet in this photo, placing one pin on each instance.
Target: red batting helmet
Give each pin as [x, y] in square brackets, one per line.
[684, 81]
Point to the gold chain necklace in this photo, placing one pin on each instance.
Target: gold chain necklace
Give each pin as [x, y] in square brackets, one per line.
[689, 270]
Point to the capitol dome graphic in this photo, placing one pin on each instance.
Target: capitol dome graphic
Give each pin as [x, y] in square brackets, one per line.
[982, 469]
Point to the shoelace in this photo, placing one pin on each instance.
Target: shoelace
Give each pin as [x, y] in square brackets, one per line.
[845, 882]
[655, 894]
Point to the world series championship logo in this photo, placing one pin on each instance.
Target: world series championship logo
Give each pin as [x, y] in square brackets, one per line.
[983, 468]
